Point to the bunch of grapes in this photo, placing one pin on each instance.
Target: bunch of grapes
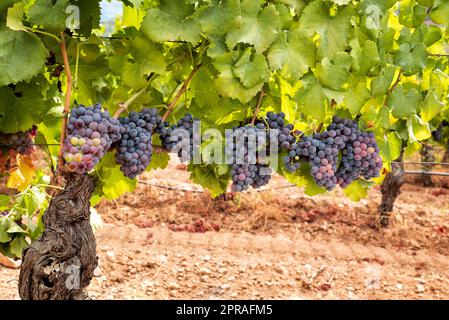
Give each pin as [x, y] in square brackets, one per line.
[21, 142]
[134, 150]
[90, 134]
[360, 157]
[438, 133]
[242, 150]
[321, 151]
[285, 134]
[359, 154]
[180, 138]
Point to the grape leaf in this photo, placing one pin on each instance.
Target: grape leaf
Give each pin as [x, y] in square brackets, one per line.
[20, 113]
[159, 160]
[4, 225]
[49, 14]
[357, 190]
[23, 176]
[411, 15]
[209, 178]
[356, 96]
[251, 70]
[366, 58]
[333, 30]
[90, 13]
[418, 130]
[313, 101]
[293, 53]
[432, 106]
[440, 12]
[411, 58]
[219, 17]
[334, 73]
[143, 57]
[402, 103]
[256, 27]
[18, 245]
[112, 183]
[390, 147]
[172, 21]
[22, 56]
[230, 86]
[381, 84]
[15, 16]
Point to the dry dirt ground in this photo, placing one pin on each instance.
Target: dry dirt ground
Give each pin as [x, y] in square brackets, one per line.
[160, 243]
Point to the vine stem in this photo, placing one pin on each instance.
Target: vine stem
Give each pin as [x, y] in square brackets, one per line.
[395, 84]
[439, 55]
[43, 33]
[181, 91]
[259, 103]
[68, 97]
[124, 105]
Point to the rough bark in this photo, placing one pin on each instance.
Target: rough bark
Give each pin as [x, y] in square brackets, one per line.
[390, 189]
[426, 156]
[60, 265]
[446, 154]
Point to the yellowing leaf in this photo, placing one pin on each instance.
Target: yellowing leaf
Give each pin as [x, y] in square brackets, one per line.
[23, 175]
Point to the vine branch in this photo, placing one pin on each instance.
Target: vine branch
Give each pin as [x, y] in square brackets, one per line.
[438, 55]
[259, 103]
[68, 97]
[395, 84]
[124, 105]
[181, 91]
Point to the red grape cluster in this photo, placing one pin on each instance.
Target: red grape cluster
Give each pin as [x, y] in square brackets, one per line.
[90, 133]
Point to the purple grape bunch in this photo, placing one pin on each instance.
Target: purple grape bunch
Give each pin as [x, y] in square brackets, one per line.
[358, 149]
[180, 138]
[90, 134]
[134, 149]
[243, 148]
[22, 142]
[360, 157]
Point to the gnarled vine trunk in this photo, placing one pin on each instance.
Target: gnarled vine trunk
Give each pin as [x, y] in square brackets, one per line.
[60, 265]
[446, 154]
[426, 156]
[390, 189]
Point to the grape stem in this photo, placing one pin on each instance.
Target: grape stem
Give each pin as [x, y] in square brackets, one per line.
[124, 105]
[68, 97]
[181, 91]
[259, 103]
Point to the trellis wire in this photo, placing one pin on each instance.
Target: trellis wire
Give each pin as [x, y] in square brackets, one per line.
[422, 172]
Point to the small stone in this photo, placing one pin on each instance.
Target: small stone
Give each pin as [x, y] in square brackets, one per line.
[204, 271]
[173, 286]
[97, 272]
[420, 288]
[204, 278]
[225, 287]
[280, 269]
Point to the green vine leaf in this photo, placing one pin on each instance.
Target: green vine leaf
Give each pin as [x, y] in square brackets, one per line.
[22, 56]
